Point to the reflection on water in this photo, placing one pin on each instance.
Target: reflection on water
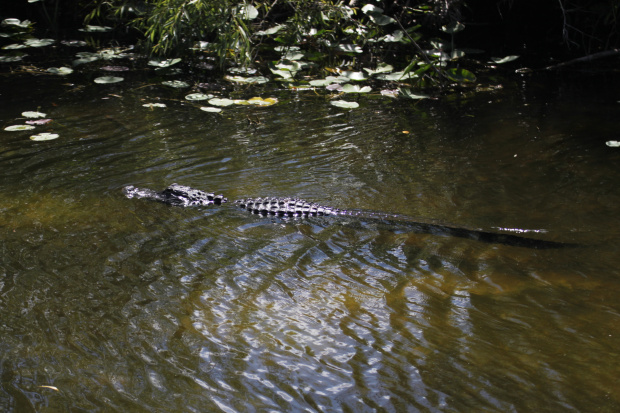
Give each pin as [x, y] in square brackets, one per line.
[111, 304]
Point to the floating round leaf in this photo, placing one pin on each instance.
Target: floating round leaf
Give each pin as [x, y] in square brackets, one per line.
[175, 83]
[613, 144]
[320, 82]
[11, 59]
[210, 109]
[95, 29]
[262, 102]
[345, 104]
[75, 43]
[44, 136]
[221, 102]
[39, 42]
[241, 79]
[164, 63]
[334, 87]
[32, 114]
[381, 68]
[353, 75]
[349, 88]
[389, 93]
[115, 68]
[154, 105]
[14, 46]
[14, 128]
[406, 92]
[16, 22]
[108, 79]
[198, 96]
[60, 70]
[38, 121]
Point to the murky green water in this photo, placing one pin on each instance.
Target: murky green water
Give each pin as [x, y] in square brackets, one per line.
[115, 304]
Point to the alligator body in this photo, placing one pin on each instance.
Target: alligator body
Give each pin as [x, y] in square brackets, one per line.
[180, 195]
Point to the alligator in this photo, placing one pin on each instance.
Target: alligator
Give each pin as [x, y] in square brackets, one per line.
[185, 196]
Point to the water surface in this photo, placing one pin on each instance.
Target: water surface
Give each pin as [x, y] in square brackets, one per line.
[115, 304]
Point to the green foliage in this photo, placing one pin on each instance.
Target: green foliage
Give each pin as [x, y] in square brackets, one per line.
[347, 32]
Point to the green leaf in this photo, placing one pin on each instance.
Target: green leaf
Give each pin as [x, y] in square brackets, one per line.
[60, 70]
[175, 83]
[460, 75]
[349, 88]
[108, 79]
[32, 114]
[406, 92]
[198, 96]
[381, 68]
[210, 109]
[221, 102]
[14, 128]
[344, 104]
[44, 136]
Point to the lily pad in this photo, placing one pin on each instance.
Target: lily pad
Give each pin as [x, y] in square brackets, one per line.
[39, 42]
[334, 87]
[38, 121]
[381, 68]
[115, 68]
[175, 83]
[108, 79]
[262, 102]
[60, 70]
[390, 93]
[11, 59]
[74, 43]
[613, 144]
[354, 75]
[198, 96]
[406, 92]
[221, 102]
[14, 46]
[292, 55]
[320, 82]
[16, 22]
[396, 76]
[44, 136]
[164, 63]
[14, 128]
[32, 114]
[154, 105]
[345, 104]
[241, 79]
[349, 88]
[210, 109]
[95, 29]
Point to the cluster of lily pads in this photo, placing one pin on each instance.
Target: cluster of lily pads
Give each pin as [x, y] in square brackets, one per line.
[36, 118]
